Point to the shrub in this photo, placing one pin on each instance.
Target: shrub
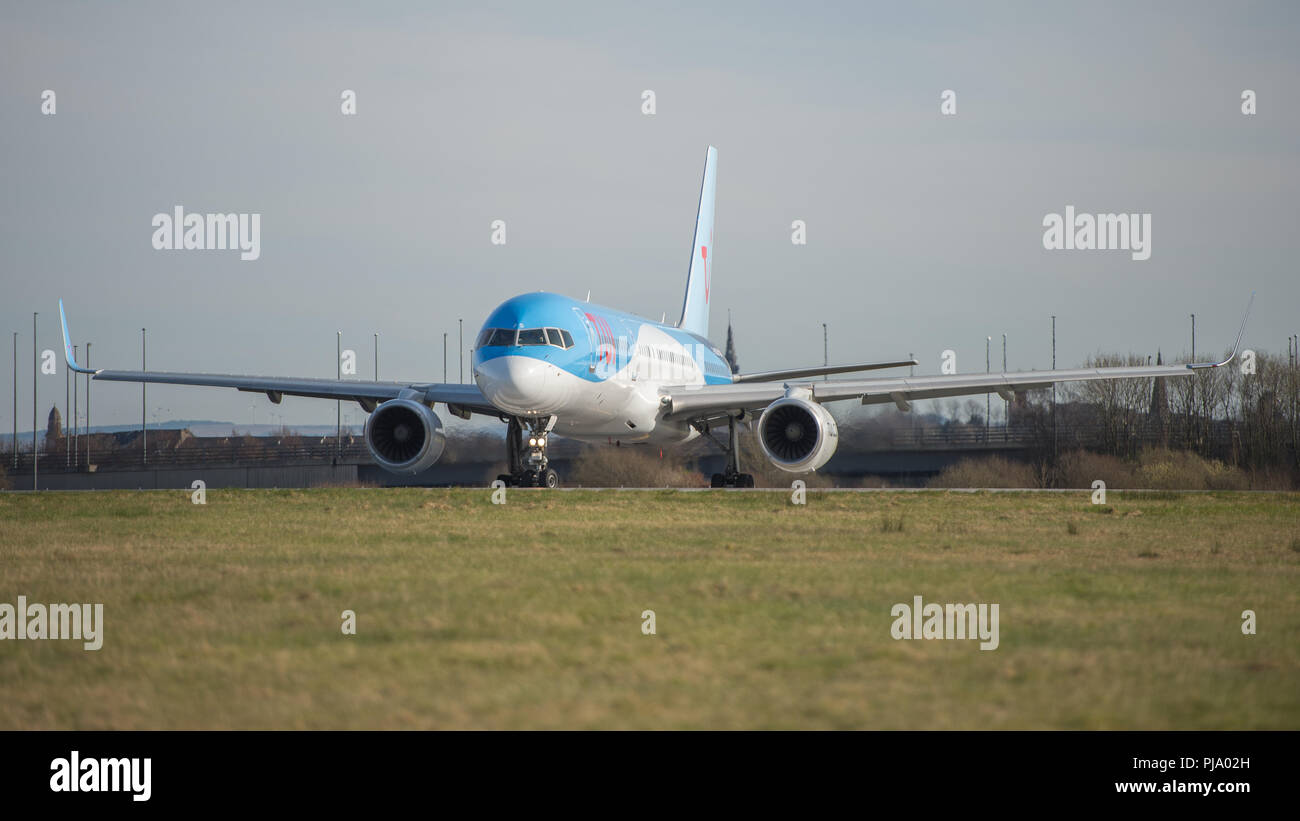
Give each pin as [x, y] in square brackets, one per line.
[1184, 470]
[632, 466]
[1080, 468]
[1161, 469]
[989, 471]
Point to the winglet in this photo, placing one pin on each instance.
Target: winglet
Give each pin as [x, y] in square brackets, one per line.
[1236, 345]
[67, 344]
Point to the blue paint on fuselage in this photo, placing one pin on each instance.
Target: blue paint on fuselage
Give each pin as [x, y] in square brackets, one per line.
[591, 338]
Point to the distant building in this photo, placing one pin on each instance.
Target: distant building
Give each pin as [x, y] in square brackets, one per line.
[54, 428]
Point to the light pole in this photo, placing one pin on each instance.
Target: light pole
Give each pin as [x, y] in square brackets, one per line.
[13, 443]
[76, 422]
[1192, 386]
[144, 425]
[444, 357]
[88, 344]
[36, 455]
[376, 356]
[460, 347]
[988, 398]
[1006, 403]
[67, 403]
[338, 404]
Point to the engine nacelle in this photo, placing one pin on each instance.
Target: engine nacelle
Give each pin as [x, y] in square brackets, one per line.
[404, 436]
[797, 435]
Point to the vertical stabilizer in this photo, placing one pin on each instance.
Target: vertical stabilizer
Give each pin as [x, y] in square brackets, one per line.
[695, 307]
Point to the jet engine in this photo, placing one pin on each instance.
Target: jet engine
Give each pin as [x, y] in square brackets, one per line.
[797, 435]
[404, 436]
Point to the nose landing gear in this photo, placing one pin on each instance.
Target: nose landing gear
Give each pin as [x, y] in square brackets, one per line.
[526, 455]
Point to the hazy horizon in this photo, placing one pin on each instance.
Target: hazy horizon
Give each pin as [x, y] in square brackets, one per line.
[924, 231]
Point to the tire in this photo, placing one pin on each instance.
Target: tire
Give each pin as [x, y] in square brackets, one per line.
[717, 480]
[550, 478]
[746, 480]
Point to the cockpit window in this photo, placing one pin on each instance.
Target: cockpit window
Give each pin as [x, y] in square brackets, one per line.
[507, 337]
[532, 336]
[559, 338]
[496, 337]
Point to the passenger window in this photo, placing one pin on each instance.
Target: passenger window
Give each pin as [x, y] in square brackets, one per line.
[532, 336]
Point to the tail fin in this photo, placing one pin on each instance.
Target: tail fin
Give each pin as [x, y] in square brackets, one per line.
[695, 307]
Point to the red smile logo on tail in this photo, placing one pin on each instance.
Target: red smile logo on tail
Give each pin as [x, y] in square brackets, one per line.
[704, 255]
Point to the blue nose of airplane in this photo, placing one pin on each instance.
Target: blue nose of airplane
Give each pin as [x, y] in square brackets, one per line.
[521, 385]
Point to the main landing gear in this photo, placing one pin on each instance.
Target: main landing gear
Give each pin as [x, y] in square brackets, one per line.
[731, 477]
[526, 455]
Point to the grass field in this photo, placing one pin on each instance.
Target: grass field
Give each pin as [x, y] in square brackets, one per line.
[768, 615]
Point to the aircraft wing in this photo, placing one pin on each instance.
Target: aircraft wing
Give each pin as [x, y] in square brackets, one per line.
[462, 399]
[771, 376]
[709, 401]
[713, 401]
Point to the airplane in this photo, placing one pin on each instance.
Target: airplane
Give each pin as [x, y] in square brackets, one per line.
[549, 365]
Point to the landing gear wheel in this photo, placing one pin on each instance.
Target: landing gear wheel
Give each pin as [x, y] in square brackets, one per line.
[527, 455]
[732, 480]
[731, 477]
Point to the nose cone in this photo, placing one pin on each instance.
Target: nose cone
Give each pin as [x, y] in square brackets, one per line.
[520, 384]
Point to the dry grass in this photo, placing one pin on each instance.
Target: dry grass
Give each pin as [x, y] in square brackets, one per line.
[1156, 469]
[527, 615]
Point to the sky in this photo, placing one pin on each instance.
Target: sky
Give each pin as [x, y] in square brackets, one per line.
[924, 230]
